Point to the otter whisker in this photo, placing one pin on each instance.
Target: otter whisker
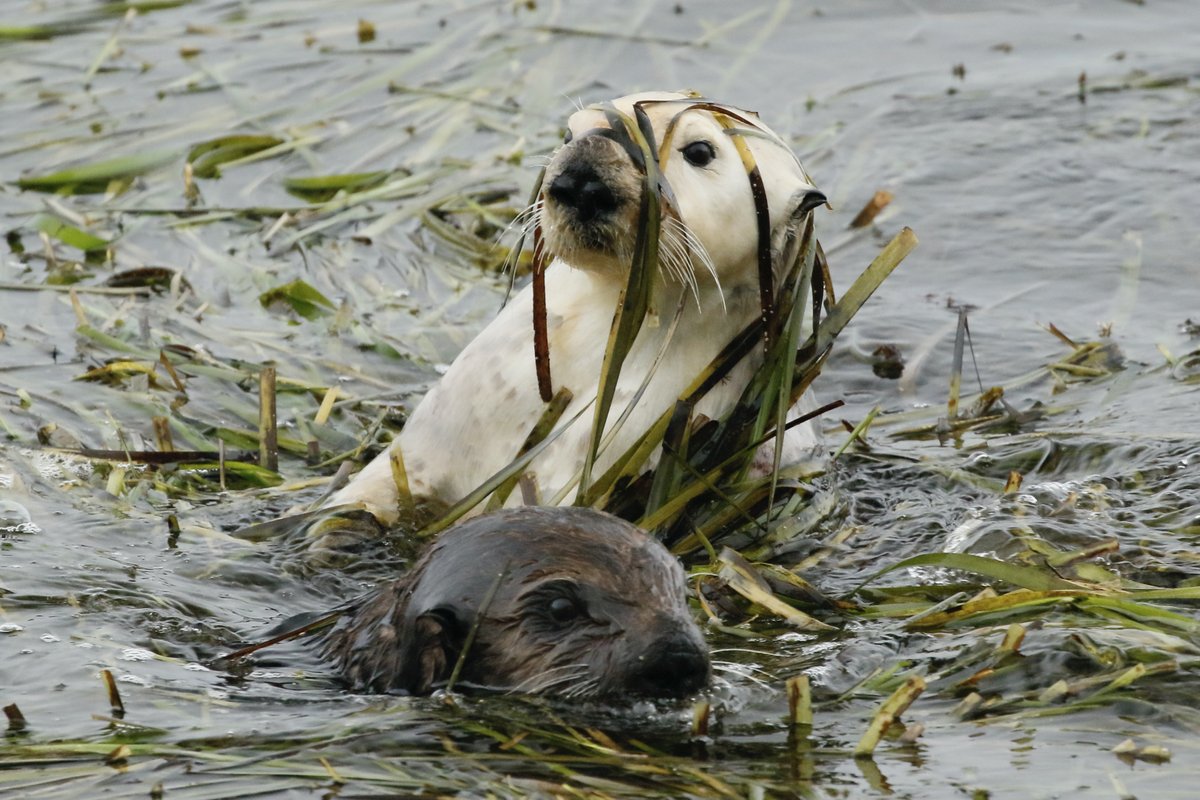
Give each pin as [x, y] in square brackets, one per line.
[545, 680]
[744, 671]
[726, 670]
[540, 550]
[675, 259]
[571, 673]
[525, 223]
[526, 219]
[588, 688]
[677, 236]
[744, 650]
[742, 668]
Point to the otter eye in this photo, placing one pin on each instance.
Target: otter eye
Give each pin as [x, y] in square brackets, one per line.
[555, 605]
[699, 154]
[563, 610]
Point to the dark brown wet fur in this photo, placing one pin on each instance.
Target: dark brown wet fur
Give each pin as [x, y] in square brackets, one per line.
[584, 604]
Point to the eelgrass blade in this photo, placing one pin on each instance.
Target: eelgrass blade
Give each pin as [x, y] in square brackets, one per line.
[541, 340]
[480, 492]
[480, 613]
[541, 429]
[739, 575]
[668, 475]
[1015, 574]
[762, 219]
[323, 188]
[782, 364]
[635, 298]
[97, 177]
[208, 157]
[70, 235]
[268, 431]
[888, 714]
[861, 290]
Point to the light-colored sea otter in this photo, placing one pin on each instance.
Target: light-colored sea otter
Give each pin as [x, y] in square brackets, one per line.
[474, 421]
[568, 601]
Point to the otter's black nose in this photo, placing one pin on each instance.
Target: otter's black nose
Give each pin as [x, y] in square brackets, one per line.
[580, 188]
[673, 667]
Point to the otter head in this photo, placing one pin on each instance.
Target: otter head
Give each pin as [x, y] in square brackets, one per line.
[560, 600]
[592, 189]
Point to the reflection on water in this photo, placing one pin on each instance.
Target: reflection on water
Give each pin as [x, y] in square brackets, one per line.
[1033, 208]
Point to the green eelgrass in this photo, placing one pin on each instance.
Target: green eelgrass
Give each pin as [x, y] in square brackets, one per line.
[795, 345]
[99, 176]
[491, 747]
[703, 476]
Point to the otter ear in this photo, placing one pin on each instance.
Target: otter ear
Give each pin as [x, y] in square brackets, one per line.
[434, 649]
[787, 237]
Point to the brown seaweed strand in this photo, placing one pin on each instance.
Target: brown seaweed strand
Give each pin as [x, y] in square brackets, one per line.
[541, 339]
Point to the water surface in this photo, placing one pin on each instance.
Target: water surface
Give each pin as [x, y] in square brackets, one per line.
[1035, 205]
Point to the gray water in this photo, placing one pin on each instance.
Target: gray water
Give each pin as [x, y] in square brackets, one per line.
[1033, 208]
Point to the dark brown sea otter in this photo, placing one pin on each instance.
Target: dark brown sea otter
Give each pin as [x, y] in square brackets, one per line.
[566, 600]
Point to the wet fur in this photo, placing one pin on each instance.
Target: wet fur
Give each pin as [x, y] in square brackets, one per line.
[474, 421]
[634, 633]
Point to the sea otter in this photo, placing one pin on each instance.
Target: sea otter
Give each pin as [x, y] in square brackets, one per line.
[568, 601]
[714, 239]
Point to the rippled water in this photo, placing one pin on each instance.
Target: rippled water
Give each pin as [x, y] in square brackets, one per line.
[1033, 208]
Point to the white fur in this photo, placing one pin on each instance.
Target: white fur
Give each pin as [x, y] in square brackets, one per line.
[472, 423]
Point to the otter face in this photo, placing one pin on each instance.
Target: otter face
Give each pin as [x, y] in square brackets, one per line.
[562, 600]
[592, 190]
[591, 198]
[589, 630]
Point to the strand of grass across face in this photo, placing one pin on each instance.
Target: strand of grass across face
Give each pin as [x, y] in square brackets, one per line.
[774, 379]
[762, 213]
[541, 341]
[635, 299]
[674, 434]
[636, 137]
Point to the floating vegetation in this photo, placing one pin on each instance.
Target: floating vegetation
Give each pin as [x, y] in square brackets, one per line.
[207, 158]
[300, 298]
[193, 200]
[323, 188]
[69, 234]
[111, 176]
